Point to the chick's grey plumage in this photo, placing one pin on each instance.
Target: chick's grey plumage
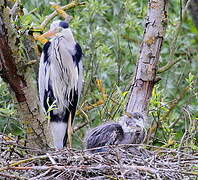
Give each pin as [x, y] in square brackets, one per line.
[106, 134]
[127, 131]
[132, 125]
[60, 79]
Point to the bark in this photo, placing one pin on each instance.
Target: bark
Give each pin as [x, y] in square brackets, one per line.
[145, 74]
[193, 8]
[15, 71]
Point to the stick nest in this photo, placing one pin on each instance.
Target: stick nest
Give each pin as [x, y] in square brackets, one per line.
[118, 162]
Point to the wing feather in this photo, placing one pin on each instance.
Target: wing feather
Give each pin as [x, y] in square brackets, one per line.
[106, 134]
[44, 74]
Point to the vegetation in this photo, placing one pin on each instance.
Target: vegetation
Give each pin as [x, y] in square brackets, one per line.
[110, 33]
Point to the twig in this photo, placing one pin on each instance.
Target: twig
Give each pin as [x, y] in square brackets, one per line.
[173, 105]
[92, 106]
[171, 62]
[15, 8]
[12, 176]
[86, 167]
[51, 159]
[99, 102]
[40, 175]
[81, 126]
[66, 7]
[61, 12]
[168, 66]
[23, 161]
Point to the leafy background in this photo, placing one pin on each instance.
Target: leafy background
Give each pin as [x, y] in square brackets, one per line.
[110, 33]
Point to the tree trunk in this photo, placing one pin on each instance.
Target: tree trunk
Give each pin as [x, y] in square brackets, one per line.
[146, 68]
[19, 77]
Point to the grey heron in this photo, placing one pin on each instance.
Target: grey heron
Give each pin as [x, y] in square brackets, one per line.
[60, 80]
[129, 130]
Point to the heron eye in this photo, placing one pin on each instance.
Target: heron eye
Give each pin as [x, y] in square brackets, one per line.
[57, 29]
[63, 24]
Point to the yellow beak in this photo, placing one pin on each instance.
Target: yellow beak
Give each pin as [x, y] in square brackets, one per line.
[49, 33]
[129, 114]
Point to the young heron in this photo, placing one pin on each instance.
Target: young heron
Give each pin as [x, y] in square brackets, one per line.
[60, 80]
[127, 131]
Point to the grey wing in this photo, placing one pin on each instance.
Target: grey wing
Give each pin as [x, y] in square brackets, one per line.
[43, 79]
[107, 134]
[80, 80]
[77, 58]
[65, 72]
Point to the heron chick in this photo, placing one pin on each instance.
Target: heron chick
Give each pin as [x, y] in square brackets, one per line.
[133, 127]
[60, 80]
[127, 131]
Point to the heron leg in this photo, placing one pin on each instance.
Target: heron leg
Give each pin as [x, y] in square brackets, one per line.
[69, 131]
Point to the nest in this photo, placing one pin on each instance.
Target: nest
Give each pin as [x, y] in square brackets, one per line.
[117, 162]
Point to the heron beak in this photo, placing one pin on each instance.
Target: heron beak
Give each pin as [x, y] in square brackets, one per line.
[49, 33]
[129, 114]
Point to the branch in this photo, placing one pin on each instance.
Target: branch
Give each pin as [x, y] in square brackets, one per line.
[66, 7]
[172, 106]
[58, 10]
[23, 161]
[92, 106]
[168, 66]
[12, 176]
[99, 102]
[174, 42]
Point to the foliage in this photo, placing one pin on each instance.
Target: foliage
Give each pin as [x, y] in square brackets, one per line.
[110, 33]
[8, 119]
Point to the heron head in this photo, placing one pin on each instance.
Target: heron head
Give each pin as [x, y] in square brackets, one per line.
[59, 25]
[132, 121]
[56, 28]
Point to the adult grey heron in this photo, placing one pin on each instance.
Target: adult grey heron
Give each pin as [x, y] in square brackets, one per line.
[60, 80]
[129, 130]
